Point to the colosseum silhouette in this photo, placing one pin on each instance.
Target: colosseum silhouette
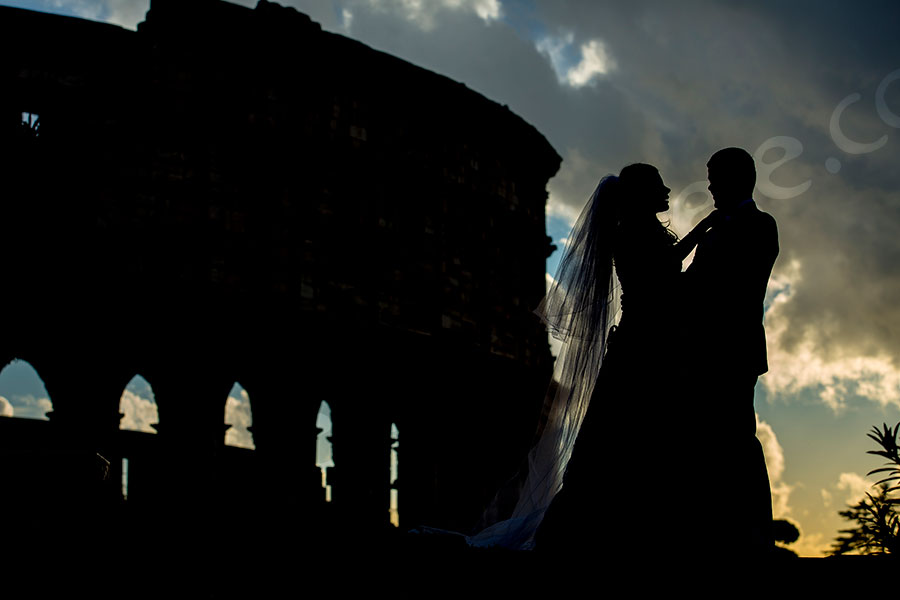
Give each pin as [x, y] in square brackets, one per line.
[234, 195]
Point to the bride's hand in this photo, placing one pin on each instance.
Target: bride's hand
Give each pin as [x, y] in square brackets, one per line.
[684, 247]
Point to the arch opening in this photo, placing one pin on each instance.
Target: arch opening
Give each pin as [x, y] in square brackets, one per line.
[239, 415]
[139, 411]
[138, 406]
[395, 475]
[324, 449]
[23, 393]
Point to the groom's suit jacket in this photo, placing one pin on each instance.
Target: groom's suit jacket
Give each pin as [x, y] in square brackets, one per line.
[727, 286]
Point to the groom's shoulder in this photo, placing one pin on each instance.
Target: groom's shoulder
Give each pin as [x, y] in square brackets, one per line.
[764, 228]
[762, 216]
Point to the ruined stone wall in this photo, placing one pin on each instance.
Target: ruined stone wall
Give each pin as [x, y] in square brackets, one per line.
[233, 194]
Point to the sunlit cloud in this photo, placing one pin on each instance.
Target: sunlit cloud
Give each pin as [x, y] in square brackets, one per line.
[774, 453]
[855, 486]
[24, 390]
[346, 20]
[576, 69]
[809, 544]
[548, 279]
[88, 9]
[834, 376]
[6, 409]
[555, 344]
[556, 49]
[487, 10]
[139, 411]
[239, 416]
[594, 61]
[127, 13]
[28, 406]
[568, 194]
[424, 13]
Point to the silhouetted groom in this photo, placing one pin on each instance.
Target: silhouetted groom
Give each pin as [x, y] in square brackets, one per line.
[727, 284]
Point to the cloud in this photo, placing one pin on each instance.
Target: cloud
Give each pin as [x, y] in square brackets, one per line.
[594, 61]
[487, 10]
[139, 411]
[549, 281]
[424, 14]
[555, 344]
[24, 391]
[567, 192]
[571, 68]
[87, 9]
[346, 20]
[811, 347]
[774, 454]
[6, 409]
[557, 49]
[27, 406]
[127, 13]
[771, 448]
[855, 485]
[809, 544]
[240, 417]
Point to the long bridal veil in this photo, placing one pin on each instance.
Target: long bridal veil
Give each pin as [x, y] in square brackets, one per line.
[578, 310]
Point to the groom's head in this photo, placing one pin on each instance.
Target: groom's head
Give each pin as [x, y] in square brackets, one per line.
[732, 177]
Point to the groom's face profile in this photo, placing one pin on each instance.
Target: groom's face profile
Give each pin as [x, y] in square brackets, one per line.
[725, 195]
[732, 177]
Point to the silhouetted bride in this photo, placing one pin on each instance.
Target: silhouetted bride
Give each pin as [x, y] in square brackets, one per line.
[621, 373]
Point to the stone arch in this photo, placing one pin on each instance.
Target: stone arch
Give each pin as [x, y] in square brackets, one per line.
[239, 418]
[22, 392]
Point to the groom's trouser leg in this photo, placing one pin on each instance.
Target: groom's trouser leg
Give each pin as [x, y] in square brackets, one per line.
[741, 503]
[755, 492]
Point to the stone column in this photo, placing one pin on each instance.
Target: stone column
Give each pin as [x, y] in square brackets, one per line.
[284, 433]
[362, 451]
[191, 437]
[75, 484]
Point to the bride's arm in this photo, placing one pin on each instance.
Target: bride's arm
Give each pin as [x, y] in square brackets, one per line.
[687, 243]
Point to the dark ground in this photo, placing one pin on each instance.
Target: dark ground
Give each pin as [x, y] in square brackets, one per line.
[152, 562]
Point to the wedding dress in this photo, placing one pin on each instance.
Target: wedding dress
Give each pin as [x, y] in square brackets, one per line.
[606, 256]
[577, 310]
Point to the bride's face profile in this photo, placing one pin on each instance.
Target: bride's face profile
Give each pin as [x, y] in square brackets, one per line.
[646, 189]
[658, 194]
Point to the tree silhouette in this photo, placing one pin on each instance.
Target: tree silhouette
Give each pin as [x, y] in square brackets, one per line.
[877, 529]
[887, 439]
[784, 532]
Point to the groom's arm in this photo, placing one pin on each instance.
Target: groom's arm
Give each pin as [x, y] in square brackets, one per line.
[684, 246]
